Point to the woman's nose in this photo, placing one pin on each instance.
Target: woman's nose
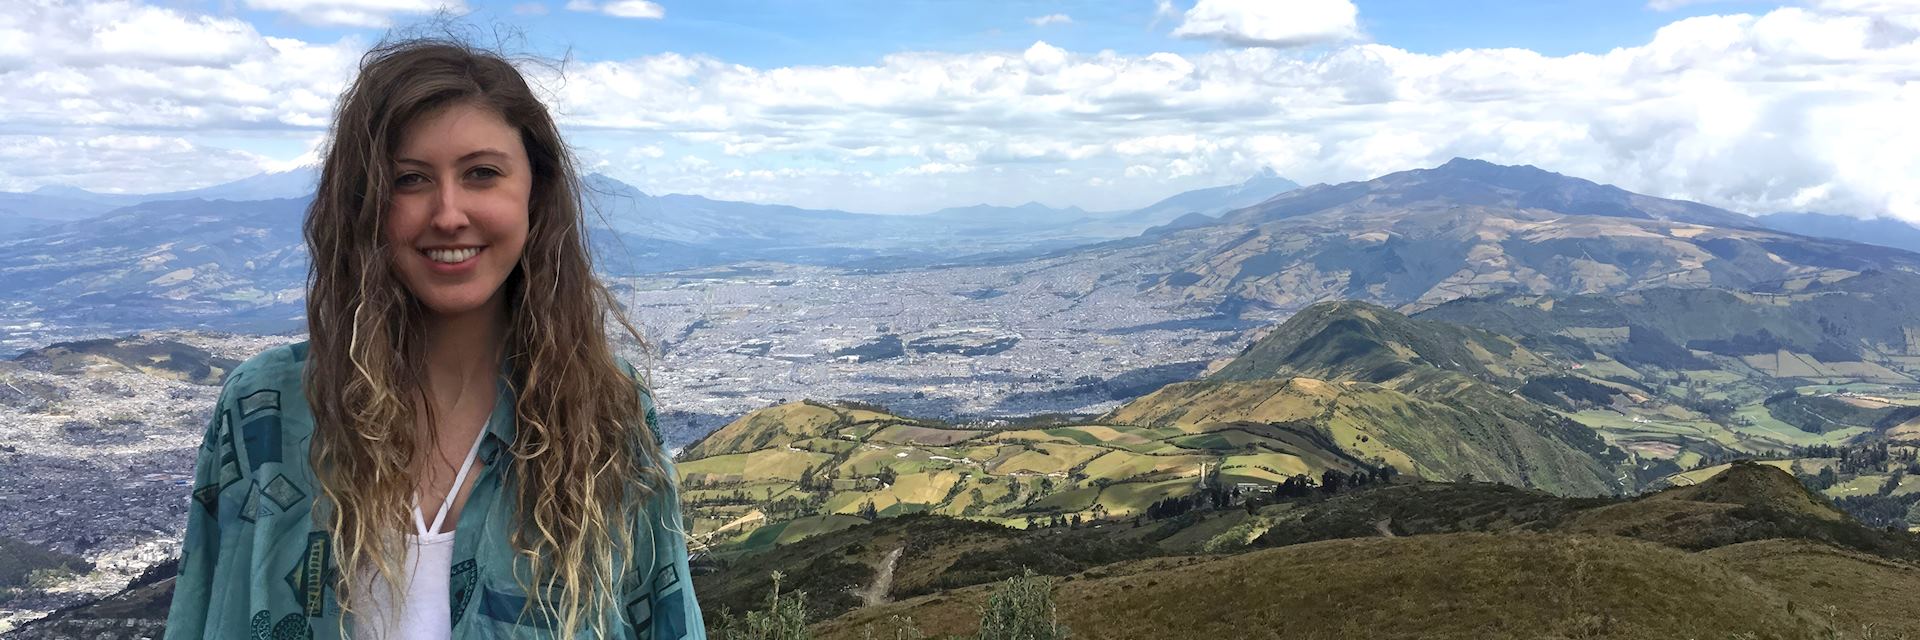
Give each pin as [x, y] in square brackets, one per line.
[449, 208]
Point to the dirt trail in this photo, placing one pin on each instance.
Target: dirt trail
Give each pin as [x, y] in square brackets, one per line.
[752, 516]
[1385, 527]
[883, 582]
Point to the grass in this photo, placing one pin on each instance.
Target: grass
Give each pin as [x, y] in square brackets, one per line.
[1275, 467]
[1860, 485]
[909, 434]
[1698, 476]
[1128, 498]
[1124, 465]
[1861, 588]
[1443, 586]
[1069, 501]
[1046, 459]
[782, 463]
[21, 562]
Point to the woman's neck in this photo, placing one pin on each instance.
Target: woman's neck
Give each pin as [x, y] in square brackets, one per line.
[464, 350]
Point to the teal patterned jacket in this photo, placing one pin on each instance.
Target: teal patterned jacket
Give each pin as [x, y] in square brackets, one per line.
[256, 566]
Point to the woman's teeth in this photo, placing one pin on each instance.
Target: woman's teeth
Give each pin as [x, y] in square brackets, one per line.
[451, 256]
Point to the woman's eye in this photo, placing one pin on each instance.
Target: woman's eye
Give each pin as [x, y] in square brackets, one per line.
[483, 173]
[408, 180]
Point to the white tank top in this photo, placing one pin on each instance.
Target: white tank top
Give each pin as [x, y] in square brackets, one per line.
[421, 611]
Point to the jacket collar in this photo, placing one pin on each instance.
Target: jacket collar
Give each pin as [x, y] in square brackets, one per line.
[501, 423]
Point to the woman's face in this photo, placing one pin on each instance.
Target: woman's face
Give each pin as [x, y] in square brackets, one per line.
[458, 219]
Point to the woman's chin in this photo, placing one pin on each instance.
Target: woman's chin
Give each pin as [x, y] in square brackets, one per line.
[453, 304]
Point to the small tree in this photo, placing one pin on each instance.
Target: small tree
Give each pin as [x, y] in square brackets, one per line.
[1021, 608]
[903, 629]
[784, 619]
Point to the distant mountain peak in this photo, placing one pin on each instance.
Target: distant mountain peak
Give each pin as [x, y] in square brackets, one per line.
[62, 190]
[1266, 176]
[1471, 182]
[1477, 169]
[603, 183]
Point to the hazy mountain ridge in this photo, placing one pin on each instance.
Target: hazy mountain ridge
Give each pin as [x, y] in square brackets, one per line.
[162, 263]
[1885, 232]
[113, 252]
[1463, 229]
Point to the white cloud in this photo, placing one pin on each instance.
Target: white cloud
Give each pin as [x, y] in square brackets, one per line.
[1271, 23]
[356, 13]
[621, 8]
[118, 163]
[933, 168]
[1669, 5]
[1868, 6]
[148, 34]
[1800, 108]
[1746, 112]
[1050, 19]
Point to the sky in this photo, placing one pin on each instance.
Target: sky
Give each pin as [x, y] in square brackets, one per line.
[907, 106]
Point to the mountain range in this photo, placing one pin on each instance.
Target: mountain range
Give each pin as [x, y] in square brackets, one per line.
[1886, 232]
[1445, 372]
[220, 257]
[1466, 228]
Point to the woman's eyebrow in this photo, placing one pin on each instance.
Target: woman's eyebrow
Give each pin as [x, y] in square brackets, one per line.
[470, 156]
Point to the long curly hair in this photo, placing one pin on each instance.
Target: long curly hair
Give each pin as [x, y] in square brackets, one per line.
[582, 461]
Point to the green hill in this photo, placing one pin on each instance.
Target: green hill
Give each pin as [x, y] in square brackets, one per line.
[1751, 553]
[1444, 586]
[1343, 388]
[1429, 398]
[1368, 343]
[153, 355]
[1859, 326]
[1808, 368]
[1473, 561]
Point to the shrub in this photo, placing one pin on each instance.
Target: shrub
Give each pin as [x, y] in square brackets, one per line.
[783, 619]
[1021, 609]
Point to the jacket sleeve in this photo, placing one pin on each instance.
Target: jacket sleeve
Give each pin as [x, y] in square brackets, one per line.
[193, 587]
[660, 603]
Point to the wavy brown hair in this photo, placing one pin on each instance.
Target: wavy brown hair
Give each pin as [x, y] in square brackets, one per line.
[581, 437]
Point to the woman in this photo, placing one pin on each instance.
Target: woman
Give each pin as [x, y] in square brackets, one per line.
[457, 366]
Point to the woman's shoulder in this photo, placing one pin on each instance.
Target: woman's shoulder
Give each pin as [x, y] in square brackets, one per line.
[277, 371]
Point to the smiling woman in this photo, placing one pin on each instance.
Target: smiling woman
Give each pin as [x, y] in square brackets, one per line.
[459, 216]
[454, 317]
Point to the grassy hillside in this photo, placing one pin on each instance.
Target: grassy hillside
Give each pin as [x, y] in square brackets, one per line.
[156, 357]
[1342, 388]
[1752, 553]
[1443, 586]
[1368, 343]
[1683, 378]
[1485, 561]
[1430, 398]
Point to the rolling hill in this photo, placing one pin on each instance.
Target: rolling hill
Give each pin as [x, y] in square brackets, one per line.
[1463, 229]
[1885, 232]
[1751, 555]
[1431, 399]
[1438, 561]
[1345, 388]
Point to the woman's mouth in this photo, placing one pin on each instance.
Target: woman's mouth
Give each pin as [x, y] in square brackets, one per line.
[451, 260]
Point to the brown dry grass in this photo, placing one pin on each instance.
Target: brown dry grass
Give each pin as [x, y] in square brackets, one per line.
[1478, 586]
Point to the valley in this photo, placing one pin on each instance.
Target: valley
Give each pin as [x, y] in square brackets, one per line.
[1468, 327]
